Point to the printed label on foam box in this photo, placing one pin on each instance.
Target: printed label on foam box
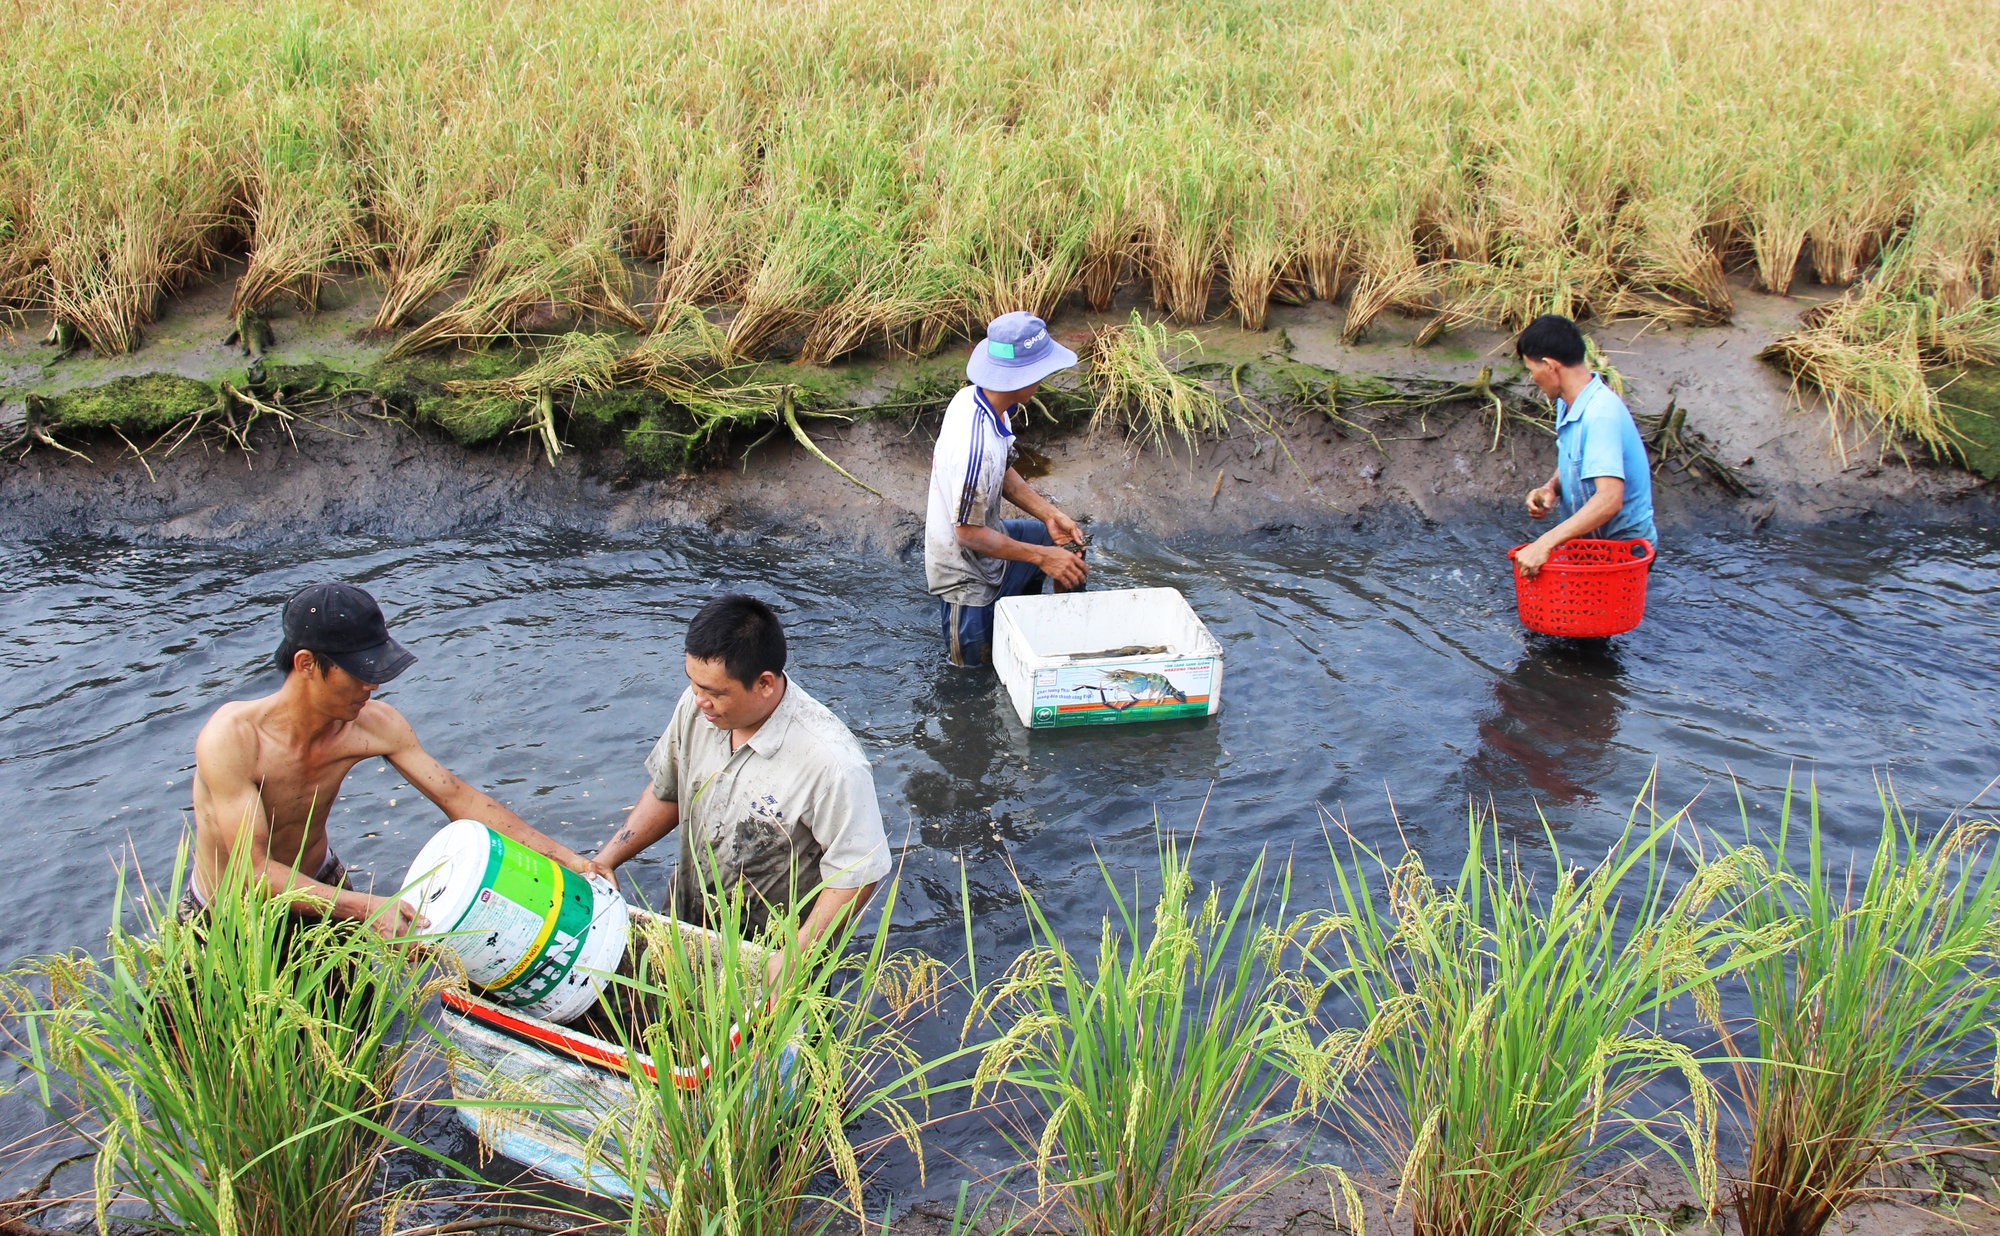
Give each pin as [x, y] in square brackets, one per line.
[1130, 691]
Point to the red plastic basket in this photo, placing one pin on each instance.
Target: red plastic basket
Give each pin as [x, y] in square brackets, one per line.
[1588, 589]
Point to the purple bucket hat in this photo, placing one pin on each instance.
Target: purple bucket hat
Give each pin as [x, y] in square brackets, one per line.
[1016, 352]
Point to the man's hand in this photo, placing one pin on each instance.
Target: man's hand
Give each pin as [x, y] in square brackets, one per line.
[598, 867]
[1540, 502]
[563, 856]
[1067, 569]
[1062, 529]
[393, 918]
[1530, 559]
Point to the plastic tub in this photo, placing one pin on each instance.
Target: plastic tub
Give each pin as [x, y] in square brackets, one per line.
[533, 935]
[1587, 590]
[1096, 658]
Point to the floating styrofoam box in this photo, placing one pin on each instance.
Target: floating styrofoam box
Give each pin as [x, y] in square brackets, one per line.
[1094, 658]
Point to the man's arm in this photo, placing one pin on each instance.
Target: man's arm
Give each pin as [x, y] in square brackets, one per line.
[237, 810]
[454, 797]
[650, 819]
[1065, 568]
[1593, 515]
[846, 820]
[830, 910]
[1062, 529]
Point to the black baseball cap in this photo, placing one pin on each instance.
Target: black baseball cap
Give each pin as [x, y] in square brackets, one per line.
[343, 624]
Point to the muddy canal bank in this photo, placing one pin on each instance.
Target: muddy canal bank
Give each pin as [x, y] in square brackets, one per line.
[358, 465]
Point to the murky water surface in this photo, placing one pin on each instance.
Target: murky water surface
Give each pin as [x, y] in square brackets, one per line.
[1358, 670]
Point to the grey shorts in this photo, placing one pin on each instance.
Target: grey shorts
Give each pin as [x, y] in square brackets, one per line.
[192, 908]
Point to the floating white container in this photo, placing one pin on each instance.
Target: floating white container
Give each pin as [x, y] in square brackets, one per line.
[1064, 657]
[533, 934]
[576, 1080]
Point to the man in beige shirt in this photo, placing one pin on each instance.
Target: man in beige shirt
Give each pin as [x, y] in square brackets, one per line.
[777, 796]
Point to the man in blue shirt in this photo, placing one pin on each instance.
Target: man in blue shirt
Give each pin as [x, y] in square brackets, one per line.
[1603, 486]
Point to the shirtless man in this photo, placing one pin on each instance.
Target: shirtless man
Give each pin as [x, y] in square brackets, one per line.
[267, 771]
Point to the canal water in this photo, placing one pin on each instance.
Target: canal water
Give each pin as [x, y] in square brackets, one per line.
[1380, 680]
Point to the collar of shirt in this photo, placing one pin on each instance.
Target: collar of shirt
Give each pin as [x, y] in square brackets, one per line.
[771, 735]
[1567, 412]
[999, 422]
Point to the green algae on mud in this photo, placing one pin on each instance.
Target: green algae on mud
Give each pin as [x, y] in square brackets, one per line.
[1971, 397]
[147, 404]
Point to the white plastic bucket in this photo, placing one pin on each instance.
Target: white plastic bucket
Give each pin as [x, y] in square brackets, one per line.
[533, 935]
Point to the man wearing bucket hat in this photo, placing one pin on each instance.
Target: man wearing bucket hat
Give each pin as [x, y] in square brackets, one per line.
[268, 771]
[972, 557]
[1603, 485]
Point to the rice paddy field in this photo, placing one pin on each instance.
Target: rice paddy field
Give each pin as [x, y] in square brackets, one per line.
[839, 177]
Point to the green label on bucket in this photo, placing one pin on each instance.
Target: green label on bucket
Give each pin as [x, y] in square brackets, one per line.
[520, 936]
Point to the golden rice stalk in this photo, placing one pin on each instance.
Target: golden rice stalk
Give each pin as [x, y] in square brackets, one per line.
[702, 229]
[431, 190]
[1390, 277]
[867, 311]
[23, 249]
[103, 294]
[527, 281]
[1026, 270]
[1842, 243]
[1868, 354]
[1262, 245]
[128, 211]
[303, 210]
[1779, 215]
[1107, 251]
[1668, 268]
[1181, 252]
[1131, 367]
[1954, 245]
[776, 301]
[434, 244]
[1111, 239]
[1868, 196]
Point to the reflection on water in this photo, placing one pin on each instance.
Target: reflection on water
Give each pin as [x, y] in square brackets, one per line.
[1357, 669]
[1551, 727]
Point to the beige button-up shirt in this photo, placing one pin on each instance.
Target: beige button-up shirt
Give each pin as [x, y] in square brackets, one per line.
[791, 810]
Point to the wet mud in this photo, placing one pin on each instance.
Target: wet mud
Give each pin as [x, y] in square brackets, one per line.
[351, 470]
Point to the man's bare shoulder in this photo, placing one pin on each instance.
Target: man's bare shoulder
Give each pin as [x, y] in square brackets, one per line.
[383, 730]
[230, 730]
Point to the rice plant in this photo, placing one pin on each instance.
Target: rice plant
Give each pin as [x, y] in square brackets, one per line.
[1504, 1028]
[1873, 1022]
[864, 179]
[757, 1055]
[1869, 354]
[1157, 1073]
[236, 1075]
[678, 364]
[1132, 370]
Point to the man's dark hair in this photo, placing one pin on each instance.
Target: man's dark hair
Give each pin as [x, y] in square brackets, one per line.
[288, 652]
[1551, 336]
[742, 633]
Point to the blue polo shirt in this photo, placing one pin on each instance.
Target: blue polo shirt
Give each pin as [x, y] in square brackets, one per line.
[1595, 437]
